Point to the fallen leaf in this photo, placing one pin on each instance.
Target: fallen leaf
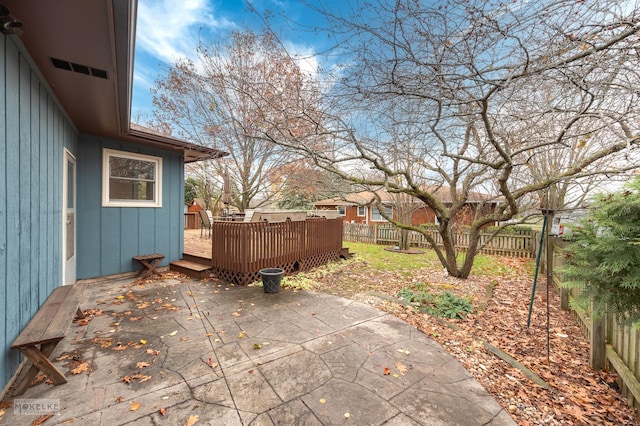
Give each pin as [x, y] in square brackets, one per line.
[251, 371]
[126, 379]
[163, 411]
[144, 342]
[153, 352]
[347, 415]
[69, 421]
[42, 419]
[173, 333]
[142, 364]
[401, 367]
[208, 334]
[119, 347]
[119, 399]
[38, 379]
[1, 413]
[387, 371]
[184, 339]
[145, 378]
[134, 406]
[192, 420]
[256, 346]
[240, 335]
[80, 368]
[323, 401]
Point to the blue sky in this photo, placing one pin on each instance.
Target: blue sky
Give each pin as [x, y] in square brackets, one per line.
[168, 30]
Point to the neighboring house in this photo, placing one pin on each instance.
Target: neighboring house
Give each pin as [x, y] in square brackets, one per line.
[361, 208]
[82, 190]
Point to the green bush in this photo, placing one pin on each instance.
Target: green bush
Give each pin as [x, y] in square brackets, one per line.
[603, 260]
[444, 304]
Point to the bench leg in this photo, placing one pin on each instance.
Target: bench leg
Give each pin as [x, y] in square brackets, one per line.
[40, 362]
[150, 267]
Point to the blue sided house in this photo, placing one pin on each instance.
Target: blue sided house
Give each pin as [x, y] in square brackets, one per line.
[82, 190]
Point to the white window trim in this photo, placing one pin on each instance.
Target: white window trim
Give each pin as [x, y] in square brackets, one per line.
[364, 211]
[343, 212]
[106, 202]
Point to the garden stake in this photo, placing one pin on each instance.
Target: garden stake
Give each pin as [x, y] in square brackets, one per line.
[535, 275]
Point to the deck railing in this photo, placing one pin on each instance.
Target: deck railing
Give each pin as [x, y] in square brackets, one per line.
[241, 249]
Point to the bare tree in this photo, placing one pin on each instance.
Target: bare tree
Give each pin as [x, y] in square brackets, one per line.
[506, 98]
[224, 100]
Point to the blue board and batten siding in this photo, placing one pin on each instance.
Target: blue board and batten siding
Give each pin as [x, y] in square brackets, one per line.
[109, 237]
[34, 132]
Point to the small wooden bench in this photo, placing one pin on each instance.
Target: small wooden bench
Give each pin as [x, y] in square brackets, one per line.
[40, 337]
[150, 262]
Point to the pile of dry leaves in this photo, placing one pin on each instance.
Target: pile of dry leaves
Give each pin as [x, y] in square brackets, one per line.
[568, 390]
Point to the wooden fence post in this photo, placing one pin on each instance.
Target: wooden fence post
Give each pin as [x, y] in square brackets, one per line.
[597, 350]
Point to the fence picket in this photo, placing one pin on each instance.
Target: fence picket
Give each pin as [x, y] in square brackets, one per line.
[515, 245]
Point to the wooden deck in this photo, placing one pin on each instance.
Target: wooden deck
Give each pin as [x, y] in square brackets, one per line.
[241, 249]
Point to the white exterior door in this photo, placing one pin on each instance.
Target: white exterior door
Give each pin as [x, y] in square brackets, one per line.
[69, 219]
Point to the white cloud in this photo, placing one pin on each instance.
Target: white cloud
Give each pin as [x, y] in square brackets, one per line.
[168, 30]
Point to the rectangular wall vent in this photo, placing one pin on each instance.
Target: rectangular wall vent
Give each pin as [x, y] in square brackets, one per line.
[81, 69]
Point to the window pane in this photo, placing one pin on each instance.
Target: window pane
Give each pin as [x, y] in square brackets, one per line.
[71, 179]
[124, 189]
[377, 217]
[131, 168]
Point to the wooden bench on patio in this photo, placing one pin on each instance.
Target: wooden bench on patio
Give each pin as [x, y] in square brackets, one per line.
[47, 327]
[150, 263]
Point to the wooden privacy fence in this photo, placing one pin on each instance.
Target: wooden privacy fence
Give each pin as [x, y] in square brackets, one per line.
[241, 249]
[612, 345]
[515, 245]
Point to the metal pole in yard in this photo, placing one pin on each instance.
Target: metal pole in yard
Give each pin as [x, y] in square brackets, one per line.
[535, 275]
[549, 215]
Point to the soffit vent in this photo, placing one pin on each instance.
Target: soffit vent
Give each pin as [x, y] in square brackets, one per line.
[81, 69]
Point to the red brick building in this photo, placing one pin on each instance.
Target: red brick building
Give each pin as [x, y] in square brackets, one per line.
[361, 207]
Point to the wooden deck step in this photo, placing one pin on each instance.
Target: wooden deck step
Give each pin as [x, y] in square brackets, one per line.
[193, 269]
[344, 253]
[197, 257]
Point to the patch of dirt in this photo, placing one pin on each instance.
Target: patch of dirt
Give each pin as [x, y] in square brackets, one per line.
[409, 251]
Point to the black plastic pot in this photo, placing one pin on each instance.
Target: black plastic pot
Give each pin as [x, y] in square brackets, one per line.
[271, 278]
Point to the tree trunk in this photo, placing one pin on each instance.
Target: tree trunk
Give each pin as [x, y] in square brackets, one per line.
[403, 239]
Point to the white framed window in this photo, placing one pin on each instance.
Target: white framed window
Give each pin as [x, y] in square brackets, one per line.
[362, 211]
[342, 210]
[376, 216]
[131, 180]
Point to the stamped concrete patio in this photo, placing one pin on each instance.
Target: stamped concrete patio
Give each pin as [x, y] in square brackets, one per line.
[177, 351]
